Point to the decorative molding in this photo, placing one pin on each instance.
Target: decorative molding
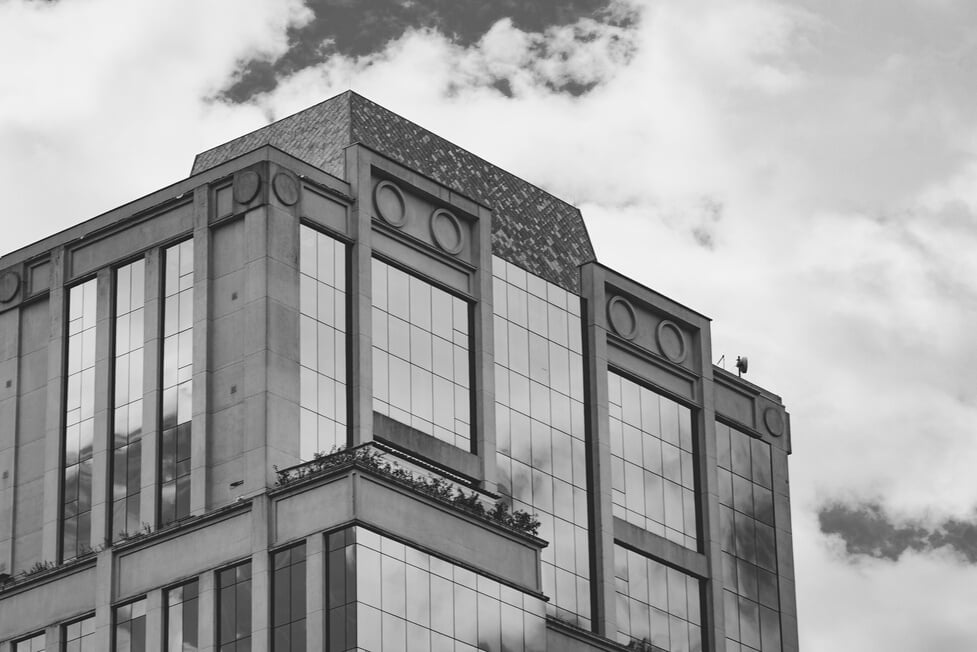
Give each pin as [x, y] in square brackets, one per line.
[671, 341]
[774, 421]
[390, 204]
[446, 232]
[9, 285]
[246, 186]
[622, 317]
[286, 188]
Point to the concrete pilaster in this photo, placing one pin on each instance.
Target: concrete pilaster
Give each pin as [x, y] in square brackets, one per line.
[483, 358]
[603, 616]
[104, 597]
[101, 442]
[54, 417]
[713, 616]
[260, 576]
[282, 356]
[151, 390]
[206, 603]
[201, 368]
[255, 349]
[9, 387]
[360, 309]
[154, 621]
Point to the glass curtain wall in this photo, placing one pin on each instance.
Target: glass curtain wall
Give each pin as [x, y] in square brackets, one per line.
[79, 419]
[541, 434]
[127, 401]
[652, 461]
[322, 343]
[177, 383]
[385, 596]
[656, 604]
[421, 366]
[746, 519]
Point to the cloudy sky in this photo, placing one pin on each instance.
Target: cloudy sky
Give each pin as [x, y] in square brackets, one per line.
[804, 172]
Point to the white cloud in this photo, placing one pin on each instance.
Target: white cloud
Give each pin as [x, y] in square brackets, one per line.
[103, 101]
[832, 165]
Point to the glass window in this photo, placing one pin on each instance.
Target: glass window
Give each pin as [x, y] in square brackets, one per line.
[130, 627]
[421, 361]
[181, 618]
[177, 383]
[127, 399]
[79, 636]
[652, 461]
[33, 644]
[76, 506]
[656, 604]
[541, 438]
[322, 343]
[234, 608]
[384, 595]
[751, 599]
[288, 599]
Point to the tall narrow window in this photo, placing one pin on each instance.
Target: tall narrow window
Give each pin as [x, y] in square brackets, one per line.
[656, 604]
[33, 644]
[421, 356]
[130, 627]
[234, 608]
[540, 426]
[288, 600]
[76, 525]
[322, 328]
[79, 636]
[177, 383]
[127, 416]
[180, 627]
[751, 599]
[652, 461]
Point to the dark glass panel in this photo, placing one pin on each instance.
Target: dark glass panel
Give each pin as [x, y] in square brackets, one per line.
[740, 453]
[769, 630]
[761, 463]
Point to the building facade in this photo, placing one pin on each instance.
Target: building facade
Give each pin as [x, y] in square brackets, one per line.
[350, 387]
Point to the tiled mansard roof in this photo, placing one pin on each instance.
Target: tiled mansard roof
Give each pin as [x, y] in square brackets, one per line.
[530, 227]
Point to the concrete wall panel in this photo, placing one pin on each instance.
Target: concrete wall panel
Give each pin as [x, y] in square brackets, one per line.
[62, 599]
[153, 231]
[167, 560]
[317, 509]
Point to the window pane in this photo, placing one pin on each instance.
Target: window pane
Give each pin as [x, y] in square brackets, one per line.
[79, 421]
[288, 599]
[655, 432]
[420, 351]
[322, 342]
[176, 381]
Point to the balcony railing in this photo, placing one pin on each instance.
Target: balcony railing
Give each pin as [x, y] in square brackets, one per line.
[416, 475]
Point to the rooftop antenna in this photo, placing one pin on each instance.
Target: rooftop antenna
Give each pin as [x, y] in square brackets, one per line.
[721, 361]
[742, 364]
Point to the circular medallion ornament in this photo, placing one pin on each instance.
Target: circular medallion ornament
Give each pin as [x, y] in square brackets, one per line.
[286, 188]
[390, 204]
[774, 421]
[623, 319]
[447, 232]
[9, 286]
[671, 342]
[246, 186]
